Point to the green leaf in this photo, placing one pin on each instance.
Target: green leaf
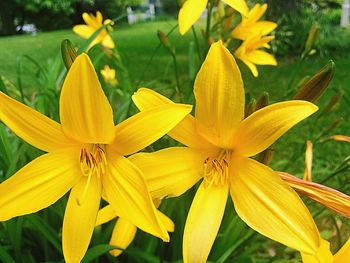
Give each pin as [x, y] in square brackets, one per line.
[142, 255]
[5, 257]
[40, 225]
[96, 252]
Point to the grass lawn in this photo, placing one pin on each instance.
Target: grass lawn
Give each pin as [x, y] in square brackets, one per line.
[137, 44]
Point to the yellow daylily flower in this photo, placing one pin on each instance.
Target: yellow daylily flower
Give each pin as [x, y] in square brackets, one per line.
[124, 231]
[251, 26]
[220, 142]
[109, 75]
[329, 197]
[85, 154]
[249, 54]
[324, 255]
[93, 23]
[191, 11]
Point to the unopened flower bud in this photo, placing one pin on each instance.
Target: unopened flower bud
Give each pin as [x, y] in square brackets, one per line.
[340, 138]
[334, 125]
[251, 107]
[308, 161]
[312, 39]
[69, 54]
[313, 89]
[266, 156]
[333, 102]
[263, 101]
[165, 41]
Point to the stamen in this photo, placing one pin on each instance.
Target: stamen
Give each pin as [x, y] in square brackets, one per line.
[92, 163]
[216, 170]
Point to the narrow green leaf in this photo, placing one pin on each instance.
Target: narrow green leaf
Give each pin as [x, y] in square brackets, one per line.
[2, 86]
[96, 252]
[5, 257]
[87, 43]
[40, 225]
[140, 254]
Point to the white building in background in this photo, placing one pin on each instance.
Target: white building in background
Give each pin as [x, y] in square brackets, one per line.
[344, 22]
[146, 12]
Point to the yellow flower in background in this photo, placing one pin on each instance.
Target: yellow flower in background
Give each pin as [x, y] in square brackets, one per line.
[124, 231]
[250, 54]
[251, 26]
[93, 23]
[85, 154]
[109, 75]
[191, 11]
[324, 255]
[220, 143]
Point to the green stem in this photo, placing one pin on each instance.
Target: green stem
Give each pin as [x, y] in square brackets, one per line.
[291, 90]
[197, 44]
[177, 76]
[153, 55]
[207, 31]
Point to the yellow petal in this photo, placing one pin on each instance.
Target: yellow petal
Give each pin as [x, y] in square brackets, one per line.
[185, 132]
[85, 112]
[144, 128]
[128, 195]
[39, 184]
[219, 95]
[271, 207]
[257, 12]
[32, 126]
[99, 17]
[251, 66]
[342, 255]
[123, 234]
[264, 27]
[189, 13]
[79, 218]
[105, 215]
[329, 197]
[323, 255]
[265, 126]
[203, 222]
[91, 21]
[258, 42]
[308, 162]
[108, 42]
[172, 171]
[166, 221]
[83, 31]
[260, 57]
[239, 5]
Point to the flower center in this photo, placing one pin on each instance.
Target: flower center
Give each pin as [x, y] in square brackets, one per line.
[93, 161]
[216, 170]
